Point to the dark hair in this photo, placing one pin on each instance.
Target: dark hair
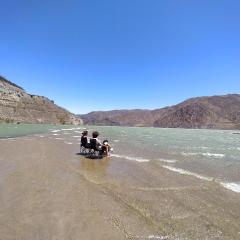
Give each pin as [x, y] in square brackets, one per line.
[85, 133]
[95, 134]
[105, 141]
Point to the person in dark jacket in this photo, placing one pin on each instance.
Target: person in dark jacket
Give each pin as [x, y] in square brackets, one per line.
[95, 143]
[84, 139]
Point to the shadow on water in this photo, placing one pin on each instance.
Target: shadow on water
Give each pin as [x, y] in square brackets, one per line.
[95, 171]
[87, 155]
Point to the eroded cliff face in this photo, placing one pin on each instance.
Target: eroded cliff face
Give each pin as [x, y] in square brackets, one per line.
[16, 105]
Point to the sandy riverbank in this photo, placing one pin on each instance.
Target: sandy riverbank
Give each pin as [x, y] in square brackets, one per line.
[47, 191]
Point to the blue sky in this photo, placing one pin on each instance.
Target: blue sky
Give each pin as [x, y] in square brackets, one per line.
[120, 54]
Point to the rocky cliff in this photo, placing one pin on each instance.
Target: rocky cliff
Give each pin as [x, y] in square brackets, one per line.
[16, 105]
[217, 112]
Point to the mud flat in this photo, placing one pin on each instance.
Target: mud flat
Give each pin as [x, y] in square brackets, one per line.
[47, 191]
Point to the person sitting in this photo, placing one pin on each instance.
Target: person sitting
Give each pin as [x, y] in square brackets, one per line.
[95, 143]
[84, 139]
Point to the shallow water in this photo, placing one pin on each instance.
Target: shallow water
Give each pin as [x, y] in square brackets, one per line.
[17, 130]
[205, 154]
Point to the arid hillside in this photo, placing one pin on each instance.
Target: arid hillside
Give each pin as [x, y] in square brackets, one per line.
[16, 105]
[216, 112]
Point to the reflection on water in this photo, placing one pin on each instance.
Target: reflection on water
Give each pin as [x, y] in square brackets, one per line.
[95, 169]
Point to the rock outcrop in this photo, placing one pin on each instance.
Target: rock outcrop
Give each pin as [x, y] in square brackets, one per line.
[16, 105]
[216, 112]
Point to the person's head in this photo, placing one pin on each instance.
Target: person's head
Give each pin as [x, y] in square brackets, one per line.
[105, 142]
[85, 133]
[95, 134]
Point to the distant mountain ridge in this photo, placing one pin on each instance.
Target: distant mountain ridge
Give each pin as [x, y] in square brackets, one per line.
[16, 105]
[215, 112]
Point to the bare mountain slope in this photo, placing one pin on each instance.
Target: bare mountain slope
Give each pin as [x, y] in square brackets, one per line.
[18, 106]
[219, 112]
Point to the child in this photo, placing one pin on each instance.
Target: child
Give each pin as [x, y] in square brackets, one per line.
[106, 148]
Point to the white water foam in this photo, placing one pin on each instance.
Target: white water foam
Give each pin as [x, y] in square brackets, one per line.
[217, 155]
[56, 134]
[207, 154]
[189, 154]
[116, 140]
[57, 130]
[137, 159]
[167, 160]
[201, 147]
[8, 138]
[235, 187]
[153, 237]
[186, 172]
[71, 129]
[158, 237]
[76, 136]
[69, 143]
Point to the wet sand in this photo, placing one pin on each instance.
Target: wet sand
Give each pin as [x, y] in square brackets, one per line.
[47, 191]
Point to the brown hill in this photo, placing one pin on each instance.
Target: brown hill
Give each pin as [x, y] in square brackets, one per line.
[18, 106]
[218, 112]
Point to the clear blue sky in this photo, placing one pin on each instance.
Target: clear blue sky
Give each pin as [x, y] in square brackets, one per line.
[120, 54]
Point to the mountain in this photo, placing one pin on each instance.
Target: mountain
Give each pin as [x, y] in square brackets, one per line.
[216, 112]
[16, 105]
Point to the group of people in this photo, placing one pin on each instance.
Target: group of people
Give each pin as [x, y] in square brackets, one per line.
[94, 143]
